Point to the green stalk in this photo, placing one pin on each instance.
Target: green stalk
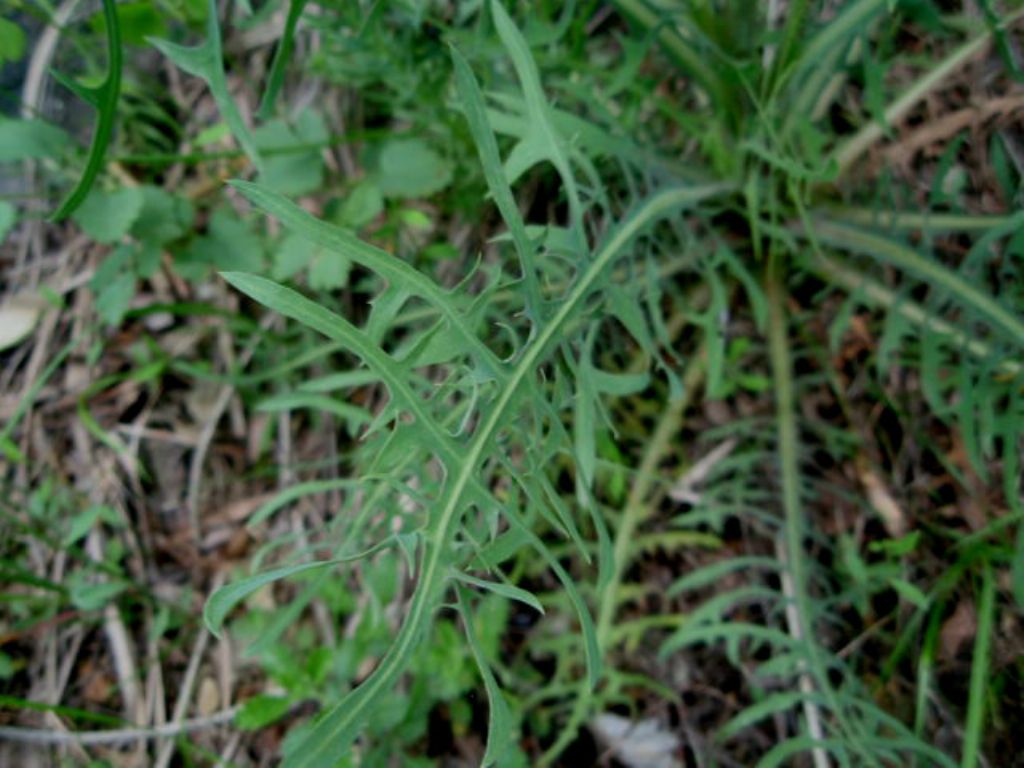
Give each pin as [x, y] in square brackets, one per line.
[793, 522]
[104, 99]
[636, 509]
[925, 667]
[785, 423]
[633, 515]
[979, 671]
[927, 221]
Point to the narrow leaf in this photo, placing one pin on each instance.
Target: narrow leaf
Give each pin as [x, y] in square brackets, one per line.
[392, 269]
[220, 603]
[281, 57]
[542, 140]
[500, 726]
[487, 147]
[858, 240]
[505, 590]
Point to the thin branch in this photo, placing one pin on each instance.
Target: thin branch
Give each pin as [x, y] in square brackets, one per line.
[812, 713]
[47, 738]
[188, 682]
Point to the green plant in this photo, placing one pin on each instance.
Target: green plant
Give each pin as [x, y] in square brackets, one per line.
[700, 232]
[773, 171]
[483, 398]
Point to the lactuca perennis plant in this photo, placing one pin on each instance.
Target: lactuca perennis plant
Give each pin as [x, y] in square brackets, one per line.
[478, 399]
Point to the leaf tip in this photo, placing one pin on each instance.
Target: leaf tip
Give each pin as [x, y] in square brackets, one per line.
[214, 624]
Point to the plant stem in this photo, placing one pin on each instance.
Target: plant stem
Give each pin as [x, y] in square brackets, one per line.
[927, 221]
[636, 509]
[633, 514]
[979, 671]
[792, 540]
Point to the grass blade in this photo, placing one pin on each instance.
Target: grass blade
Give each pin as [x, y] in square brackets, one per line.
[220, 603]
[979, 672]
[281, 58]
[507, 591]
[104, 98]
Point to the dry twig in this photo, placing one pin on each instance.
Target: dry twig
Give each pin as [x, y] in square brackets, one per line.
[48, 738]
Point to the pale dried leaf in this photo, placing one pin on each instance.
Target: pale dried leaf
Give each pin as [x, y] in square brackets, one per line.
[685, 488]
[208, 699]
[638, 744]
[18, 317]
[882, 501]
[958, 630]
